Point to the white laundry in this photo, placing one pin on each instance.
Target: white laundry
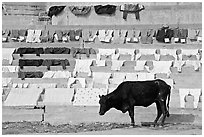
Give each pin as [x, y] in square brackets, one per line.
[7, 53]
[62, 74]
[189, 52]
[6, 81]
[138, 56]
[83, 66]
[195, 63]
[194, 92]
[30, 35]
[101, 77]
[20, 85]
[100, 63]
[157, 57]
[127, 52]
[170, 82]
[131, 77]
[48, 74]
[43, 85]
[102, 35]
[179, 64]
[147, 51]
[37, 35]
[58, 96]
[116, 37]
[116, 64]
[105, 52]
[108, 36]
[140, 65]
[123, 33]
[198, 56]
[145, 76]
[10, 68]
[23, 97]
[162, 67]
[179, 57]
[88, 96]
[118, 78]
[171, 52]
[73, 80]
[93, 35]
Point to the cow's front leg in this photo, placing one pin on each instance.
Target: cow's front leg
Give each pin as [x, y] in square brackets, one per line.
[131, 114]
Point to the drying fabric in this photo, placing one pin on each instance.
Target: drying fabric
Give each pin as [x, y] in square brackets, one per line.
[44, 85]
[7, 53]
[48, 74]
[55, 10]
[73, 80]
[147, 51]
[58, 96]
[127, 52]
[36, 36]
[145, 76]
[75, 35]
[58, 35]
[116, 36]
[162, 67]
[88, 96]
[5, 34]
[116, 64]
[92, 35]
[189, 52]
[105, 52]
[80, 10]
[195, 63]
[100, 63]
[30, 62]
[62, 74]
[83, 66]
[178, 64]
[22, 34]
[44, 36]
[147, 36]
[105, 10]
[10, 68]
[22, 51]
[101, 77]
[24, 75]
[131, 8]
[163, 34]
[86, 51]
[157, 57]
[131, 77]
[55, 62]
[108, 36]
[129, 35]
[23, 97]
[56, 50]
[171, 52]
[118, 78]
[14, 34]
[51, 34]
[6, 81]
[102, 35]
[20, 85]
[194, 92]
[140, 65]
[30, 36]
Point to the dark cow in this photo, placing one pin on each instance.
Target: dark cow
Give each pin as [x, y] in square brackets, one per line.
[138, 93]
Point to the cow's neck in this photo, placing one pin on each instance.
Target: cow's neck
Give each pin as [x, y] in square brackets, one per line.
[114, 100]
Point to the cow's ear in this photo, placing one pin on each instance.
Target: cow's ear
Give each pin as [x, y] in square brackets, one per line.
[100, 96]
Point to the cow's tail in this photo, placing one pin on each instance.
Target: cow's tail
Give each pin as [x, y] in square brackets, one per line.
[168, 101]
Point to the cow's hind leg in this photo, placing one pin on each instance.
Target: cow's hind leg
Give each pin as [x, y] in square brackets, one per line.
[164, 111]
[159, 112]
[131, 114]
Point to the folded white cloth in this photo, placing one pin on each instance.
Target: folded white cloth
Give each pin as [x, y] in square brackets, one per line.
[171, 52]
[105, 52]
[6, 81]
[162, 67]
[101, 77]
[10, 68]
[131, 77]
[116, 64]
[189, 52]
[72, 80]
[195, 63]
[7, 53]
[102, 35]
[147, 51]
[43, 85]
[127, 52]
[108, 36]
[140, 65]
[179, 64]
[83, 66]
[100, 63]
[145, 76]
[118, 78]
[30, 35]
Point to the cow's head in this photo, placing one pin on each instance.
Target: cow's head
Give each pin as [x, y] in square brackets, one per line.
[104, 104]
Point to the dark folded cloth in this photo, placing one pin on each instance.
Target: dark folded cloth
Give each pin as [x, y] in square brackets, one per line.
[22, 51]
[57, 50]
[55, 10]
[80, 10]
[55, 62]
[30, 62]
[105, 10]
[24, 75]
[86, 51]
